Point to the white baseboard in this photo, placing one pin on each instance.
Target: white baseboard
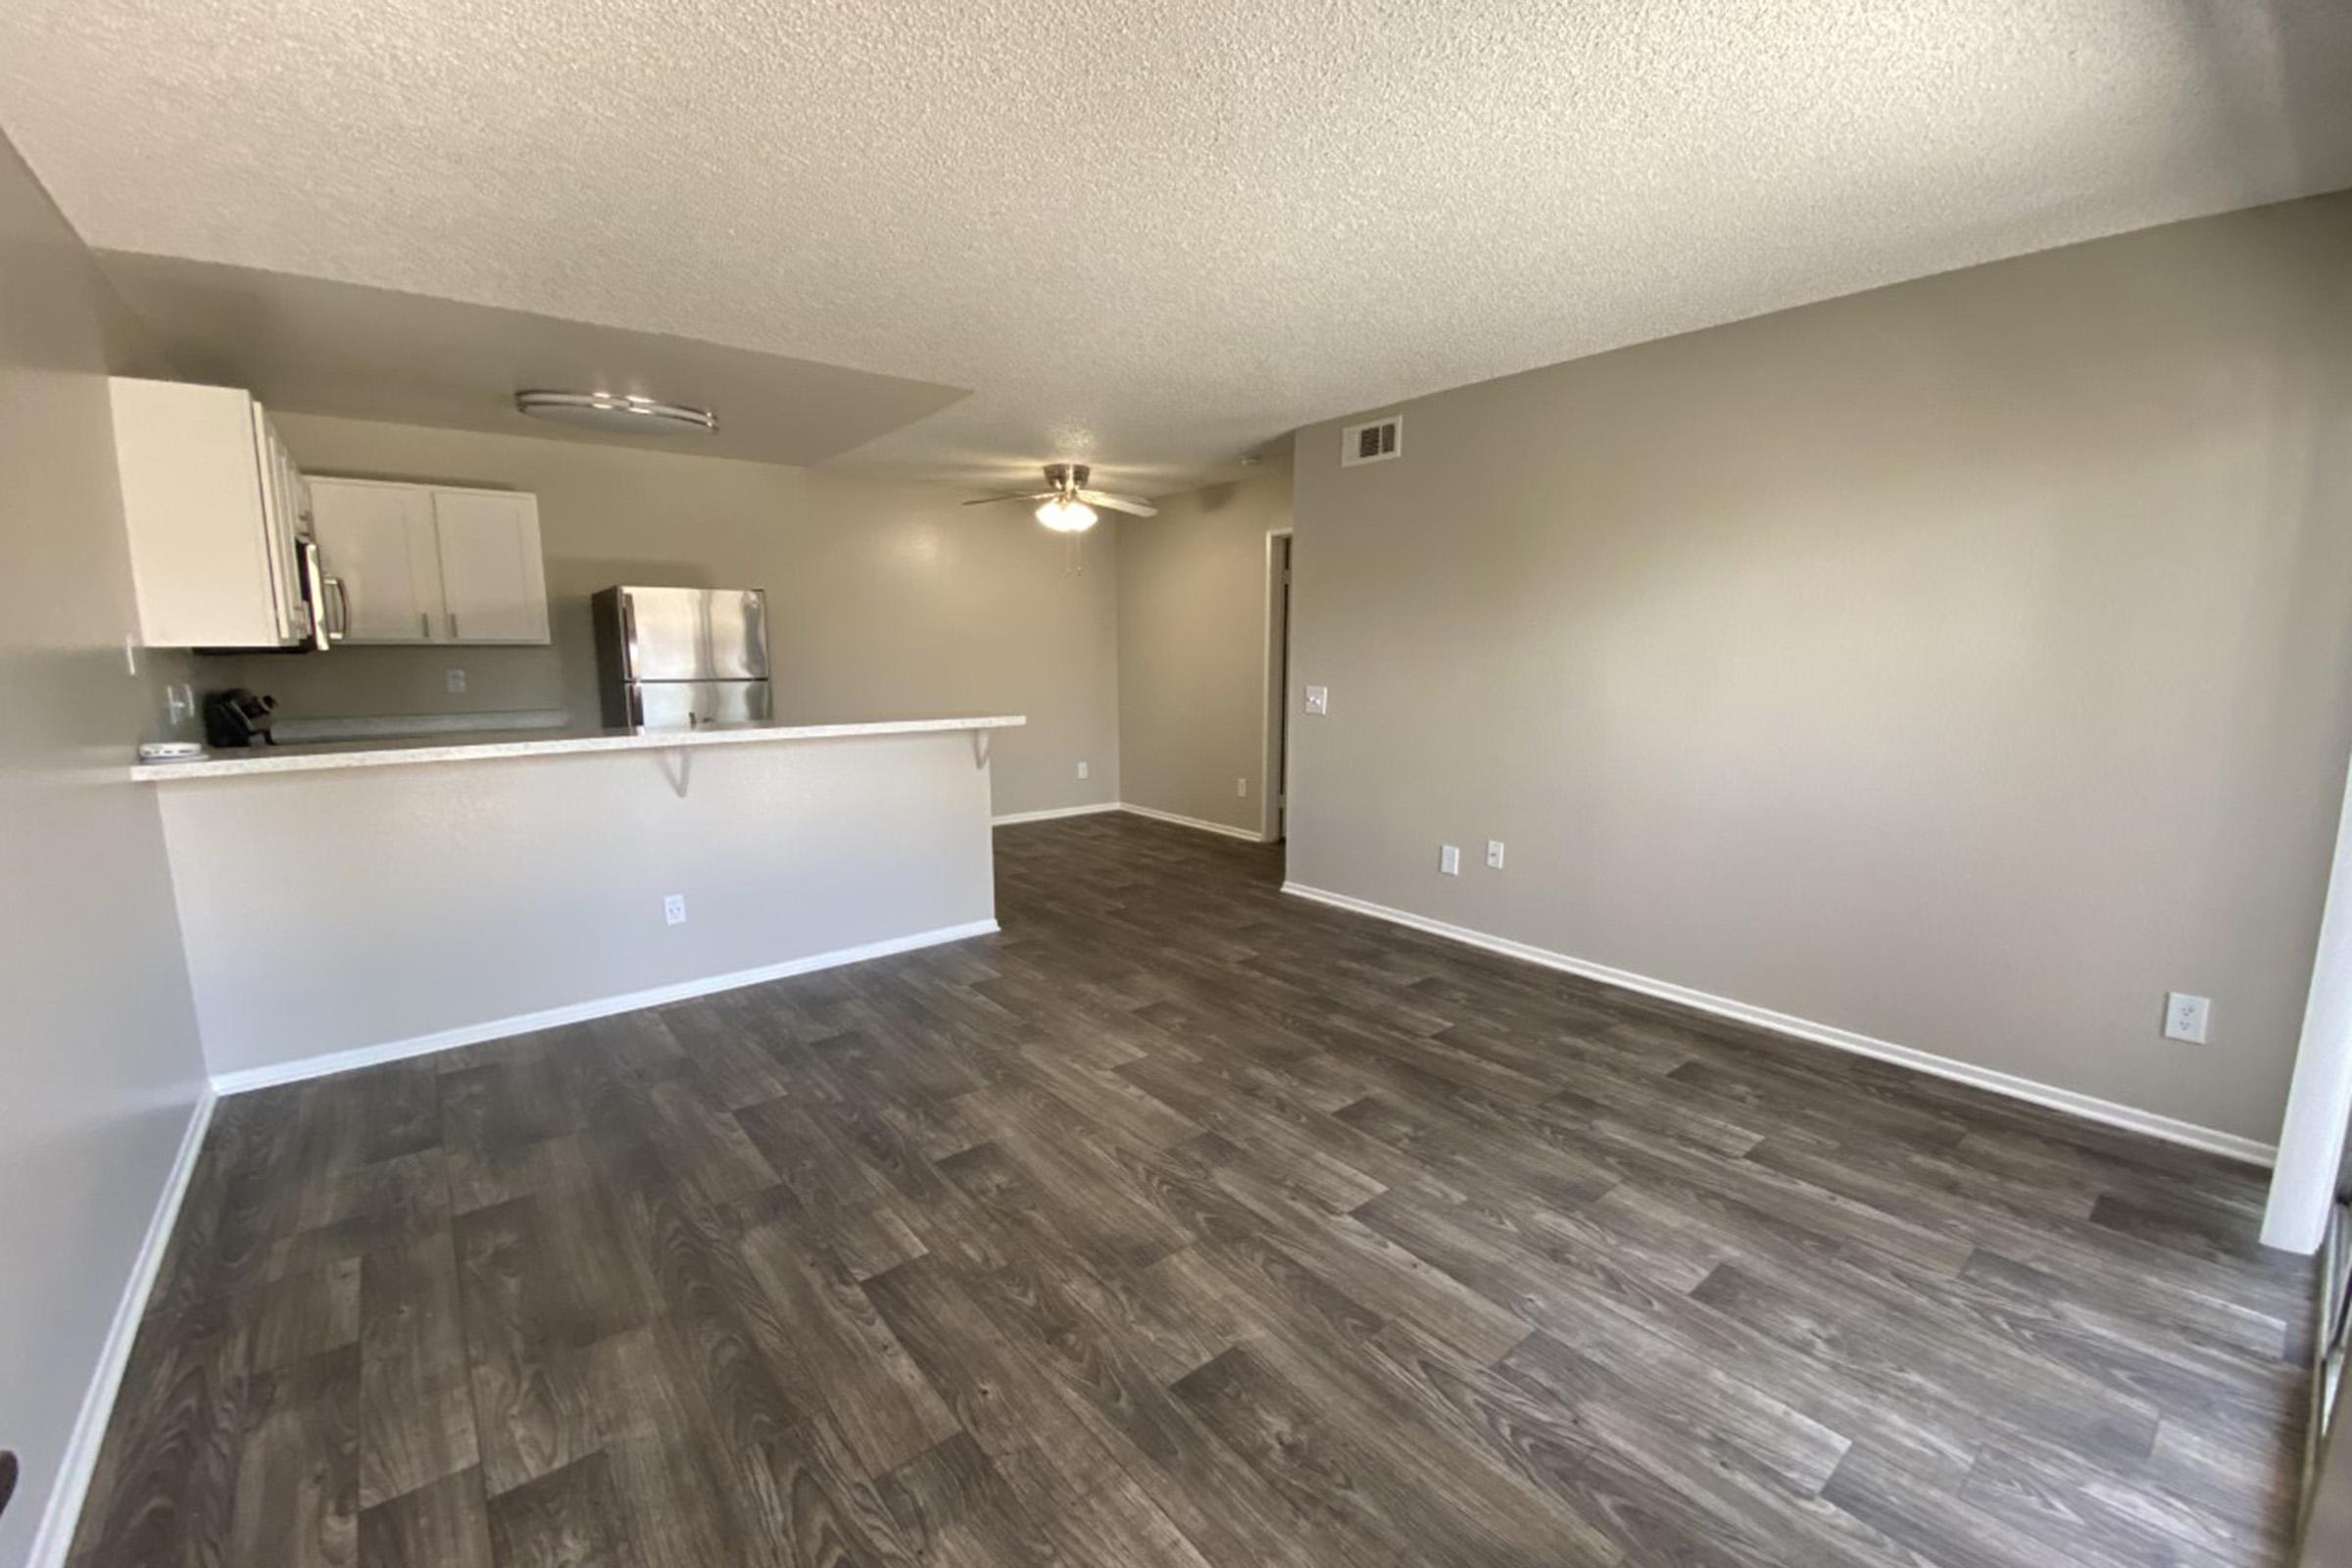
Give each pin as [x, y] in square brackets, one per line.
[1050, 812]
[55, 1536]
[2089, 1107]
[1246, 834]
[286, 1072]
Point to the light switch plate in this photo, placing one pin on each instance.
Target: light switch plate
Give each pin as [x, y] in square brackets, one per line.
[1449, 859]
[1494, 855]
[1318, 699]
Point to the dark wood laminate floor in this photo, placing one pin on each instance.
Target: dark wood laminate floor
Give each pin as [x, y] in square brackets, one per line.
[1186, 1223]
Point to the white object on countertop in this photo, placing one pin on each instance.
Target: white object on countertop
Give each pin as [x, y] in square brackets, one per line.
[169, 751]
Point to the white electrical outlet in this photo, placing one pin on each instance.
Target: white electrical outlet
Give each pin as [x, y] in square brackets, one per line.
[1082, 769]
[1318, 699]
[1241, 789]
[2185, 1016]
[454, 679]
[1449, 859]
[1494, 855]
[674, 909]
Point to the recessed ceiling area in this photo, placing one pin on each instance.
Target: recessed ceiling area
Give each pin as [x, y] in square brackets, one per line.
[1153, 238]
[310, 346]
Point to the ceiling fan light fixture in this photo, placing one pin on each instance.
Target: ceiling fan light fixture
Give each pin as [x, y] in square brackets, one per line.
[1068, 505]
[623, 411]
[1064, 516]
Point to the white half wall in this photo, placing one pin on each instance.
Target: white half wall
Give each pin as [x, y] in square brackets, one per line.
[384, 910]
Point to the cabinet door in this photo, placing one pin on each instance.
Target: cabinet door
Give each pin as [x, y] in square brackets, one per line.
[282, 525]
[493, 585]
[202, 557]
[377, 541]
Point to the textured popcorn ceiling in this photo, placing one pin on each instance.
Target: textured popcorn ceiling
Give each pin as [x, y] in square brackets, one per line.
[1159, 233]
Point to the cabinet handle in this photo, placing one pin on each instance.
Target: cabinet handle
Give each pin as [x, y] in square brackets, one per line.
[424, 625]
[313, 592]
[453, 625]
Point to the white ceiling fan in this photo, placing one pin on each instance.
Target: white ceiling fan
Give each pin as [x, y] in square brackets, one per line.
[1067, 506]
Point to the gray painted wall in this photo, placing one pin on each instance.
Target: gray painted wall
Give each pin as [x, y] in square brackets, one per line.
[1966, 664]
[886, 600]
[1193, 648]
[100, 1056]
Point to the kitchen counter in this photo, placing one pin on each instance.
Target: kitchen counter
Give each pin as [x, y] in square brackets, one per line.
[490, 746]
[341, 907]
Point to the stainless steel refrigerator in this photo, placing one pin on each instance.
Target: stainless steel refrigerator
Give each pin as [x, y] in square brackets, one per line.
[675, 657]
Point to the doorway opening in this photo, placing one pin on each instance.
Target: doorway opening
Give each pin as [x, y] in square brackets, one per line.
[1274, 813]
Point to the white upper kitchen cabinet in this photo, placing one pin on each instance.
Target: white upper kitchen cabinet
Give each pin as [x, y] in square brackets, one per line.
[214, 512]
[431, 563]
[493, 581]
[383, 566]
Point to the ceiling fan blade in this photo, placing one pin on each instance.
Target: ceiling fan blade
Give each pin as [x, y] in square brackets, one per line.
[990, 500]
[1126, 504]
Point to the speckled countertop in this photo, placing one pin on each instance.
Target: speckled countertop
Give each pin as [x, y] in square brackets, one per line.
[493, 746]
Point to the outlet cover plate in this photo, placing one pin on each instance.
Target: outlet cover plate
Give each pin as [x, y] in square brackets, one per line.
[2186, 1018]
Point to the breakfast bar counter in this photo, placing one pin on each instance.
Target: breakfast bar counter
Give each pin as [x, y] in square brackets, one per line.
[493, 744]
[348, 904]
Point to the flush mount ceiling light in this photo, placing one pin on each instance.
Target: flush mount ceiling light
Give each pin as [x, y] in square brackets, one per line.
[619, 412]
[1069, 506]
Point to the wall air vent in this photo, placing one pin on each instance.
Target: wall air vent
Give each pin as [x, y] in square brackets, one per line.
[1376, 442]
